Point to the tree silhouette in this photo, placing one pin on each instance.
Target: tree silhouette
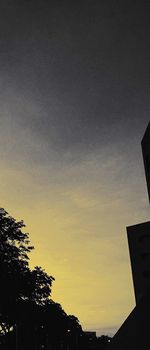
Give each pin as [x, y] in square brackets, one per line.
[28, 317]
[40, 285]
[18, 283]
[14, 249]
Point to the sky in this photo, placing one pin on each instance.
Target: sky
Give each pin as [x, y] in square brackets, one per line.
[74, 86]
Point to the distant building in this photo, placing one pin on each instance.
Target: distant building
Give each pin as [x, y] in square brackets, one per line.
[90, 335]
[90, 340]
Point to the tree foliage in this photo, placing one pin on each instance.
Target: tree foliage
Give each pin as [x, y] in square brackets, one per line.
[26, 307]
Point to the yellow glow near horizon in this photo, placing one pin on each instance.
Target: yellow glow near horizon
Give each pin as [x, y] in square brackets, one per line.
[78, 230]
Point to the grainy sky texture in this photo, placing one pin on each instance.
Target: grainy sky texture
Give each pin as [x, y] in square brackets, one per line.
[75, 86]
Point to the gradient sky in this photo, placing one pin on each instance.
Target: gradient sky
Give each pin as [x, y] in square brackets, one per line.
[74, 86]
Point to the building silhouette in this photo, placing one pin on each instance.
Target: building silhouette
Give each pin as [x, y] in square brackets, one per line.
[146, 156]
[139, 248]
[134, 332]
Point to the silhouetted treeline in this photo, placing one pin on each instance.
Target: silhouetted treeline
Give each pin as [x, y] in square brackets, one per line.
[29, 319]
